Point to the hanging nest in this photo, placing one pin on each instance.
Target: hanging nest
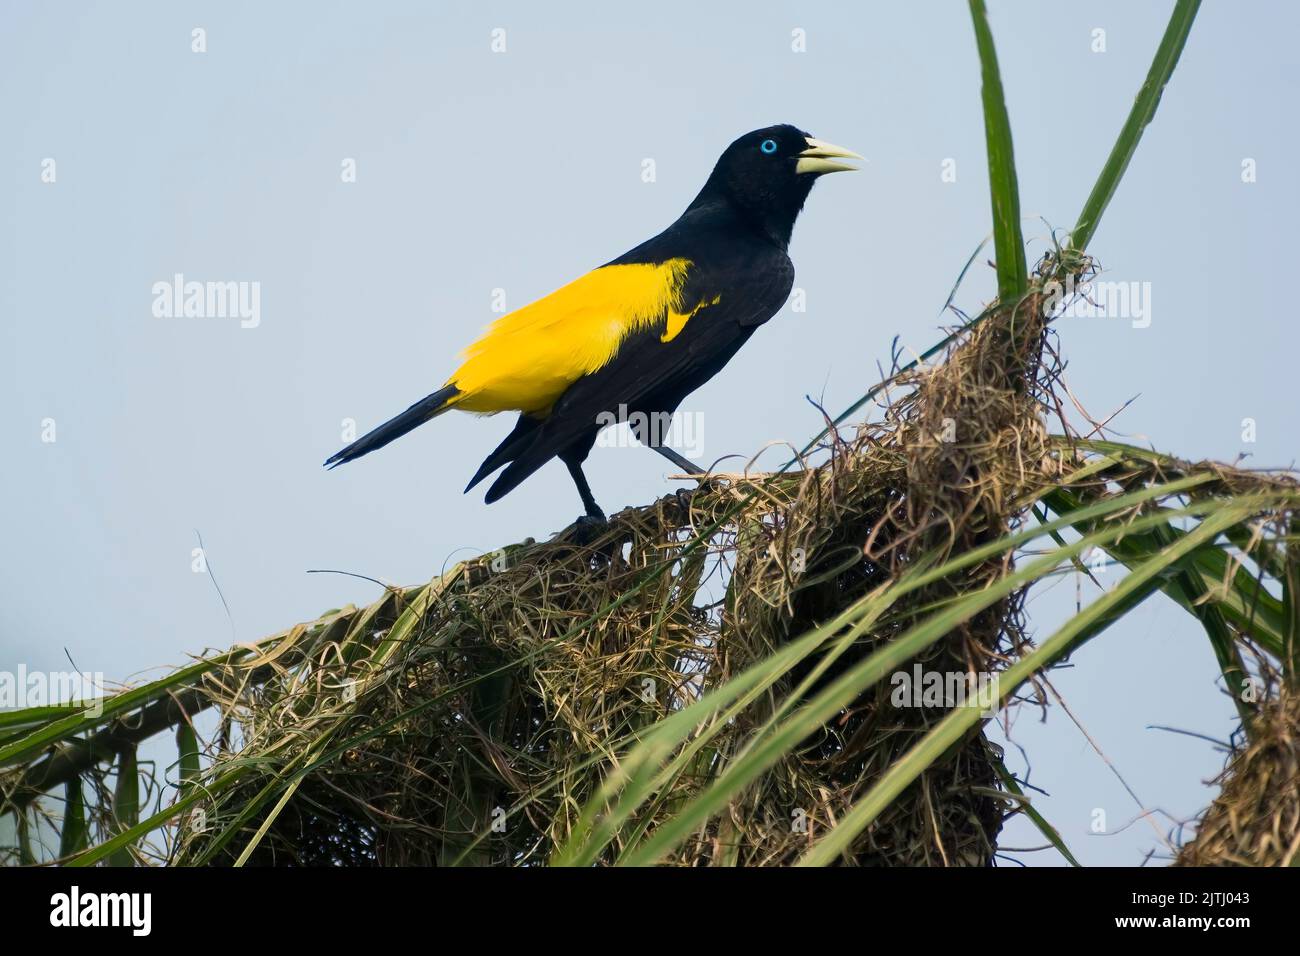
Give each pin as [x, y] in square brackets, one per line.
[479, 718]
[470, 719]
[1255, 820]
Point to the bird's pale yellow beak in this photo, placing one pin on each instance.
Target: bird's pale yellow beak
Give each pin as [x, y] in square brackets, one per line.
[820, 157]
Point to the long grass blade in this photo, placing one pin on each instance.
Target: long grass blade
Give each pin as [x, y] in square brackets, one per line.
[126, 803]
[1027, 808]
[73, 836]
[1143, 111]
[1008, 244]
[961, 719]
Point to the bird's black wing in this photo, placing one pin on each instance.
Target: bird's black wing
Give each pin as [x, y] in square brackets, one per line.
[650, 375]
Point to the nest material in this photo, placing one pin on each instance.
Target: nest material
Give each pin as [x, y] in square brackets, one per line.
[469, 720]
[1255, 820]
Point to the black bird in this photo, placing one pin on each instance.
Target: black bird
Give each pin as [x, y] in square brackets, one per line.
[631, 339]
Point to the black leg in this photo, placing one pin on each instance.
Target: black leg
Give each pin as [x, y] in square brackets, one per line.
[584, 490]
[685, 464]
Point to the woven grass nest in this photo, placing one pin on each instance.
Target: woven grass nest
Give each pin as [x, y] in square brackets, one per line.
[1255, 820]
[470, 720]
[492, 694]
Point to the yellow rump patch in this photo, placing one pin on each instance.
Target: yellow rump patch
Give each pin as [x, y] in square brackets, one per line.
[526, 359]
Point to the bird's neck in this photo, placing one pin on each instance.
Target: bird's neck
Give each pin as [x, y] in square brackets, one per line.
[769, 216]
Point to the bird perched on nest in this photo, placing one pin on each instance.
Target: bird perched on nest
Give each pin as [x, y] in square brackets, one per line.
[629, 340]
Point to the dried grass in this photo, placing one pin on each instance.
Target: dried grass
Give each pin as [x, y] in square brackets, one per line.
[469, 720]
[1255, 820]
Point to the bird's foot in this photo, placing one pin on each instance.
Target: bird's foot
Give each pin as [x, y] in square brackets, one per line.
[707, 483]
[683, 496]
[587, 529]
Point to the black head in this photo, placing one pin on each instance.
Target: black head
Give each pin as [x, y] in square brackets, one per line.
[766, 175]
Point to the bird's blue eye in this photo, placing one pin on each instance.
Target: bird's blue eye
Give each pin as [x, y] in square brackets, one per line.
[768, 146]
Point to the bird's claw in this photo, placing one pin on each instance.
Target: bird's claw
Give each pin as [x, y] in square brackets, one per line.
[706, 484]
[587, 529]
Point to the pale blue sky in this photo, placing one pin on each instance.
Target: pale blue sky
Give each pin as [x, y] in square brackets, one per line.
[520, 171]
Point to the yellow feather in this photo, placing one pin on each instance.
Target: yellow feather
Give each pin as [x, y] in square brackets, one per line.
[526, 359]
[677, 320]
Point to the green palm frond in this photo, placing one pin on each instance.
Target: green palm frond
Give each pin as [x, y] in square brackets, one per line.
[602, 705]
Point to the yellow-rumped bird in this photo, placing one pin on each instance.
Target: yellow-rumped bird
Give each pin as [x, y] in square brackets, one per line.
[629, 340]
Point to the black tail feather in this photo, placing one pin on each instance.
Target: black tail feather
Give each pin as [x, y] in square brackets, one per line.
[515, 473]
[537, 453]
[415, 416]
[520, 437]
